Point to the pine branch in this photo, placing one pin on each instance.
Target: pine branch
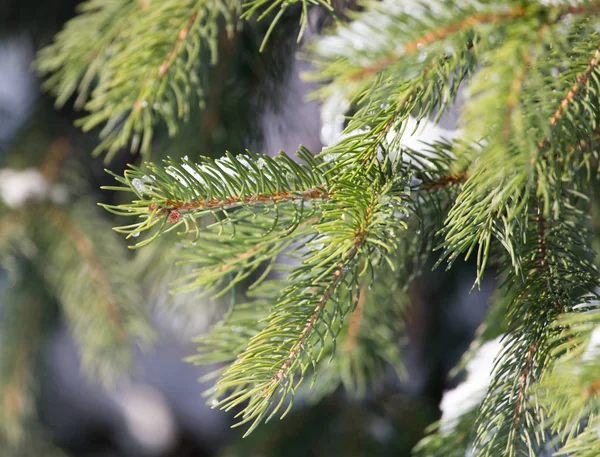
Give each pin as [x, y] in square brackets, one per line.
[372, 339]
[183, 192]
[371, 347]
[424, 26]
[586, 443]
[384, 105]
[101, 283]
[253, 8]
[557, 276]
[136, 65]
[229, 337]
[21, 331]
[310, 310]
[570, 392]
[582, 80]
[369, 343]
[82, 263]
[75, 63]
[225, 256]
[580, 86]
[439, 34]
[507, 169]
[146, 59]
[515, 182]
[455, 444]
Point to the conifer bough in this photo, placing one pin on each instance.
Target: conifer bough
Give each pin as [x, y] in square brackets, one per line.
[516, 190]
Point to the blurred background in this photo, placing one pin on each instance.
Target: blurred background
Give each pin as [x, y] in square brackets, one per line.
[257, 101]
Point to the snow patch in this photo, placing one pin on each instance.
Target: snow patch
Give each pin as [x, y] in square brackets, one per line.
[592, 350]
[423, 133]
[470, 393]
[590, 306]
[333, 112]
[148, 417]
[20, 186]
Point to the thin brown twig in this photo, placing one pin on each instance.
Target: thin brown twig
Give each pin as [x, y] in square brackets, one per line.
[476, 19]
[13, 395]
[356, 320]
[445, 181]
[174, 207]
[438, 34]
[593, 389]
[183, 33]
[338, 274]
[545, 267]
[522, 386]
[166, 64]
[581, 81]
[86, 250]
[58, 151]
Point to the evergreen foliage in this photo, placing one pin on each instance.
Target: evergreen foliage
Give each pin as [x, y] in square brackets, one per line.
[67, 256]
[327, 243]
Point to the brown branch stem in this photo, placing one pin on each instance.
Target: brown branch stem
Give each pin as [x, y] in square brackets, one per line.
[86, 250]
[522, 387]
[476, 19]
[183, 33]
[593, 389]
[337, 276]
[176, 207]
[13, 392]
[435, 35]
[445, 181]
[356, 320]
[359, 238]
[166, 64]
[581, 81]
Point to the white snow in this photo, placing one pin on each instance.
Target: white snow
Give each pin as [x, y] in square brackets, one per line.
[139, 185]
[361, 40]
[20, 186]
[592, 350]
[425, 132]
[470, 393]
[360, 35]
[332, 118]
[224, 164]
[148, 417]
[179, 176]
